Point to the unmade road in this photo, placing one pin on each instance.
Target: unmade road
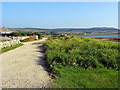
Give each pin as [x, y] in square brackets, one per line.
[24, 67]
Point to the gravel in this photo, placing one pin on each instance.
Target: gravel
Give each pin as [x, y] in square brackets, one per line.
[24, 67]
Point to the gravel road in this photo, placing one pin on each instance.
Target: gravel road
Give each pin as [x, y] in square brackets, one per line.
[24, 67]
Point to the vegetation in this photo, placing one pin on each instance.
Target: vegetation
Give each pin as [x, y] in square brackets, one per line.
[78, 61]
[39, 35]
[86, 78]
[2, 40]
[28, 40]
[10, 48]
[22, 34]
[68, 31]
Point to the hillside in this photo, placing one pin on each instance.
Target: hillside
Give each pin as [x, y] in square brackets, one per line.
[62, 29]
[4, 29]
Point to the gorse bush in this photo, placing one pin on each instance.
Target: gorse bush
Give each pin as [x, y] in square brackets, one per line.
[26, 40]
[81, 52]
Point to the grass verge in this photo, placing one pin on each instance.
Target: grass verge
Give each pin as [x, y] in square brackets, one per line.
[10, 48]
[86, 78]
[2, 40]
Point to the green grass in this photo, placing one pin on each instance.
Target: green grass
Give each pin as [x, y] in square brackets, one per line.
[10, 48]
[2, 40]
[82, 62]
[85, 78]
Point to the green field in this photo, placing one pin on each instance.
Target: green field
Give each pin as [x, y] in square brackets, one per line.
[82, 62]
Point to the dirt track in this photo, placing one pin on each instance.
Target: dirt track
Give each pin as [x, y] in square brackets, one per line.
[24, 67]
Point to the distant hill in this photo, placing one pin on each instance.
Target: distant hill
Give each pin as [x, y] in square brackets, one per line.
[63, 29]
[4, 29]
[96, 29]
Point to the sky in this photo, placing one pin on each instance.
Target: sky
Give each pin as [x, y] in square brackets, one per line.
[59, 14]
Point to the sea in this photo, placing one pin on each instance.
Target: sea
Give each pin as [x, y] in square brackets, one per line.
[104, 36]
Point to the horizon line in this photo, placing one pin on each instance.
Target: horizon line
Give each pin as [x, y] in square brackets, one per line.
[65, 27]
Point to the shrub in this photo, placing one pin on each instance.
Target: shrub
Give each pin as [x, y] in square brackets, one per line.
[25, 40]
[81, 52]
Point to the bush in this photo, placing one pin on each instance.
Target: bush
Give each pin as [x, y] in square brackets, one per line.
[81, 52]
[26, 40]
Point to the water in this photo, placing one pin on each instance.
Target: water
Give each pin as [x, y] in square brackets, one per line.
[105, 36]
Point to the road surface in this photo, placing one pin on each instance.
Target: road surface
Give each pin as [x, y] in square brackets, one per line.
[24, 67]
